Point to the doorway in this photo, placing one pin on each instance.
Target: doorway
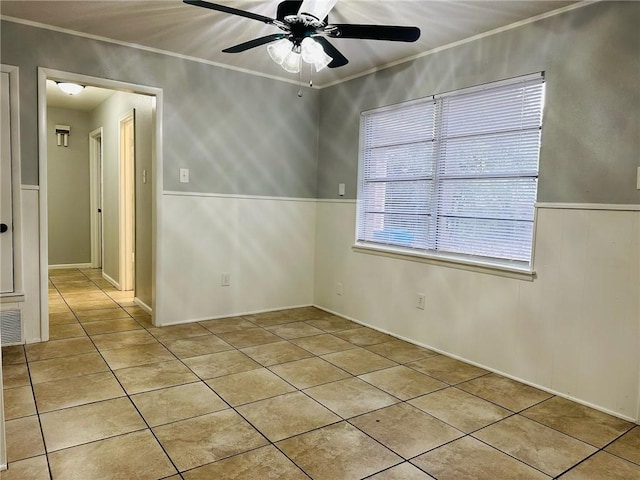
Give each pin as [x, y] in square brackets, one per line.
[105, 205]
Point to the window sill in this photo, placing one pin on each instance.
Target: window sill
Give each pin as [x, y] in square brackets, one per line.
[493, 268]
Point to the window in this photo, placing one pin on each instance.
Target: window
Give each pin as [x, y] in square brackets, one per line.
[454, 174]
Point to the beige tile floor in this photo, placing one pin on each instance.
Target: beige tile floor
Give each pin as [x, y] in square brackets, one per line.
[293, 394]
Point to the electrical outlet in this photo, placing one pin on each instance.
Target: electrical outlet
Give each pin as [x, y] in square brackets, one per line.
[339, 289]
[420, 301]
[225, 281]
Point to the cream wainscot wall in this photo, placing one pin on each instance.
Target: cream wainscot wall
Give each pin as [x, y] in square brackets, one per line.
[265, 245]
[573, 330]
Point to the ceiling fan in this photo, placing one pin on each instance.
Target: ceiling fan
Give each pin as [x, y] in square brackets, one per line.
[305, 27]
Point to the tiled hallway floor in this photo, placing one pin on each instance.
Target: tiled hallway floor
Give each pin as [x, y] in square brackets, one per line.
[284, 395]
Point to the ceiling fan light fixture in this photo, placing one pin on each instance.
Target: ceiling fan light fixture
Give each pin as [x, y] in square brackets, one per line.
[70, 88]
[292, 62]
[312, 52]
[279, 50]
[286, 54]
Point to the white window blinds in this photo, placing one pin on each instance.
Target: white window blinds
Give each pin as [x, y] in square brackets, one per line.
[455, 173]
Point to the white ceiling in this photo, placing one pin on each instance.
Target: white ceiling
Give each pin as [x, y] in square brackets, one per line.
[172, 26]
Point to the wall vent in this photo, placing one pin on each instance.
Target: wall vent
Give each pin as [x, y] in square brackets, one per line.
[10, 327]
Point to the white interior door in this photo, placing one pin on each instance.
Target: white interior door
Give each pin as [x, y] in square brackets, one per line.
[6, 192]
[95, 172]
[127, 202]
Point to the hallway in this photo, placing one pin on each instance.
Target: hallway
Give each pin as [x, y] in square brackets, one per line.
[291, 394]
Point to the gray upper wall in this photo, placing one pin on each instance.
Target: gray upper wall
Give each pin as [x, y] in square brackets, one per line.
[245, 134]
[68, 193]
[591, 133]
[237, 133]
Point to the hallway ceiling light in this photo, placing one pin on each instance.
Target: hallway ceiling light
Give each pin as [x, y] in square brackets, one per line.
[70, 88]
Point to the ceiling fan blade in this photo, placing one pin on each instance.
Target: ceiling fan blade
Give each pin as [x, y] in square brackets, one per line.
[339, 60]
[375, 32]
[317, 8]
[230, 10]
[288, 7]
[254, 43]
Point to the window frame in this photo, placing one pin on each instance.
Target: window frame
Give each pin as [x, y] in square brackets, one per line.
[502, 266]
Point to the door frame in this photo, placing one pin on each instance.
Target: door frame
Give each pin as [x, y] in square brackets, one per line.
[95, 175]
[156, 179]
[16, 185]
[127, 197]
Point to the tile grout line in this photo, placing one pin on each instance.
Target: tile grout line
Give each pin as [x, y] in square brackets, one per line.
[44, 444]
[507, 453]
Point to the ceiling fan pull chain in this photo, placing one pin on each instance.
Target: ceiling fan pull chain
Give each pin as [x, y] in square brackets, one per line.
[310, 76]
[300, 80]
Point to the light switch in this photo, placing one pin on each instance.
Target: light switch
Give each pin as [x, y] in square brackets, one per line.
[144, 176]
[341, 189]
[638, 179]
[184, 175]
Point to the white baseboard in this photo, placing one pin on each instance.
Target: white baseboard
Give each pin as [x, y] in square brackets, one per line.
[493, 370]
[110, 280]
[142, 305]
[69, 265]
[13, 297]
[231, 315]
